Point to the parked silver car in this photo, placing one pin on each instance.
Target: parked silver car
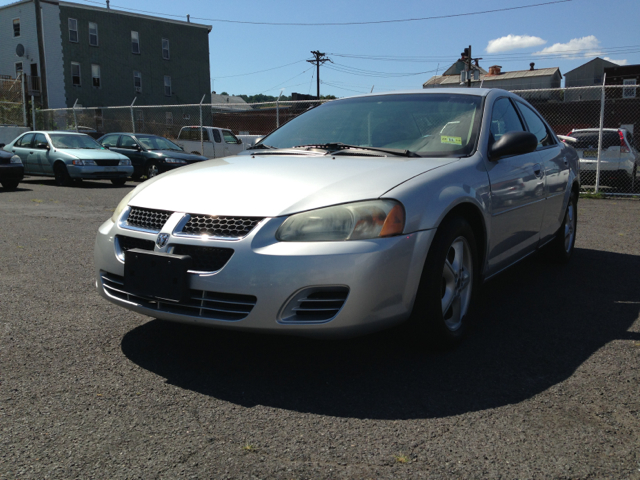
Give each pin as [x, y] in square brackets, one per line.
[358, 214]
[619, 157]
[69, 156]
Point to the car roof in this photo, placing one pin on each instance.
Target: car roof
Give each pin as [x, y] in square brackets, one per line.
[61, 132]
[597, 129]
[477, 92]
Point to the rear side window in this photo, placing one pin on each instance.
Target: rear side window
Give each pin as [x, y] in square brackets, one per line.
[216, 136]
[536, 126]
[504, 119]
[192, 133]
[110, 140]
[25, 141]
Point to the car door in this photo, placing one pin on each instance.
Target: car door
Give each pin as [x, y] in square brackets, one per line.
[41, 153]
[517, 199]
[23, 149]
[556, 171]
[128, 146]
[231, 143]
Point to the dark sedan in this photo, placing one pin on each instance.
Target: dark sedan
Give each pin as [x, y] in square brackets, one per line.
[11, 170]
[150, 155]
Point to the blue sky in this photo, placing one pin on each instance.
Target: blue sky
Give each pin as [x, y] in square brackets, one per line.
[565, 35]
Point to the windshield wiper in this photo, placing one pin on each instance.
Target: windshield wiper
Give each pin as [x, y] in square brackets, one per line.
[335, 147]
[258, 146]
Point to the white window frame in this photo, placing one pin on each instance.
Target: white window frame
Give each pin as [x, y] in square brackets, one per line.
[137, 75]
[75, 29]
[96, 34]
[135, 37]
[94, 76]
[73, 64]
[629, 92]
[13, 23]
[167, 84]
[167, 49]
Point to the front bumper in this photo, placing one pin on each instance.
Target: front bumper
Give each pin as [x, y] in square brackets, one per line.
[100, 173]
[11, 171]
[381, 276]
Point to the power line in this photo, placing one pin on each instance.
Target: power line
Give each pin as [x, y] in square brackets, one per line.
[259, 71]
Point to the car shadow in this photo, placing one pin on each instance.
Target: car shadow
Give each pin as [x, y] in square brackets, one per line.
[537, 323]
[19, 188]
[84, 184]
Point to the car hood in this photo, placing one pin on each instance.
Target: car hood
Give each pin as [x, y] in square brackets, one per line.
[181, 155]
[274, 185]
[91, 154]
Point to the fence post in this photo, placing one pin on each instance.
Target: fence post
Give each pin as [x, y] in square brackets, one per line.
[75, 117]
[201, 139]
[33, 112]
[133, 121]
[24, 99]
[604, 79]
[278, 109]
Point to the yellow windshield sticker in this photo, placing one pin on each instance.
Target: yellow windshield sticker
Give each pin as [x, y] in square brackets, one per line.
[450, 140]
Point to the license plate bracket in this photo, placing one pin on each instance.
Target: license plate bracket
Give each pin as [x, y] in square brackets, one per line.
[157, 275]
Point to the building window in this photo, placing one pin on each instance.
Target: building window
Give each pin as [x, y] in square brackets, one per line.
[168, 118]
[135, 42]
[165, 48]
[16, 27]
[75, 74]
[73, 30]
[137, 81]
[167, 86]
[18, 68]
[629, 92]
[95, 75]
[93, 34]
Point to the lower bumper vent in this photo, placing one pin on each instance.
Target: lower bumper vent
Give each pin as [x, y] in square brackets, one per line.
[315, 304]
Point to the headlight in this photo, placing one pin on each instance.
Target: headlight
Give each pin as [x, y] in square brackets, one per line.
[125, 161]
[175, 160]
[15, 159]
[84, 163]
[122, 205]
[353, 221]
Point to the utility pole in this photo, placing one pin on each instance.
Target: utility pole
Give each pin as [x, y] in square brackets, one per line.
[466, 56]
[318, 60]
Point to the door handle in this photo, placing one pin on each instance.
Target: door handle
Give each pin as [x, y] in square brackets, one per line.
[537, 170]
[31, 153]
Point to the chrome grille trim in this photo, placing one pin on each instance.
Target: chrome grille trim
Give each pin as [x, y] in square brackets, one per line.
[218, 226]
[147, 219]
[203, 304]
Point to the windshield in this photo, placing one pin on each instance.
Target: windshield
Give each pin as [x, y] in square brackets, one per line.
[157, 143]
[426, 124]
[72, 141]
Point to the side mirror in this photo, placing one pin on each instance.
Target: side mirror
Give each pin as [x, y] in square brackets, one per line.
[108, 147]
[513, 143]
[138, 147]
[239, 141]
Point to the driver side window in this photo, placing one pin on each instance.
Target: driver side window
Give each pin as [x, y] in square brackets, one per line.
[504, 119]
[127, 142]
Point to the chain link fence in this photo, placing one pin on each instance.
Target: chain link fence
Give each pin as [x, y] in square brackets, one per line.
[604, 120]
[12, 110]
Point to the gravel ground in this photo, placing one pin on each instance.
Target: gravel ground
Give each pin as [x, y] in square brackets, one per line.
[546, 386]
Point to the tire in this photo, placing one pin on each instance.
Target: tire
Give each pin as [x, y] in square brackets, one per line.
[118, 182]
[449, 280]
[10, 184]
[61, 175]
[561, 248]
[152, 170]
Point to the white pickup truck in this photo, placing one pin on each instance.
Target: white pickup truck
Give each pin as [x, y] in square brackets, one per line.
[216, 142]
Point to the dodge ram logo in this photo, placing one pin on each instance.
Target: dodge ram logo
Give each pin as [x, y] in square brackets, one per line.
[162, 239]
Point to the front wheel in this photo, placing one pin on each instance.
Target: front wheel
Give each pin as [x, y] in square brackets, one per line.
[152, 170]
[61, 175]
[118, 182]
[561, 248]
[448, 283]
[10, 184]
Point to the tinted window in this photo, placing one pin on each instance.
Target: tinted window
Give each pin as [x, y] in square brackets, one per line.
[504, 119]
[127, 142]
[536, 126]
[26, 140]
[229, 137]
[590, 139]
[40, 141]
[216, 135]
[110, 140]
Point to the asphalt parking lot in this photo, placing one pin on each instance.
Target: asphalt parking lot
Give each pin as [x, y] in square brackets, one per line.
[546, 386]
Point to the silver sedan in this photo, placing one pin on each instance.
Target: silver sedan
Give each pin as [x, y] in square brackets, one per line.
[357, 215]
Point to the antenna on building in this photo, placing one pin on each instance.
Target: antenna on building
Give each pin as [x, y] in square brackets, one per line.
[188, 18]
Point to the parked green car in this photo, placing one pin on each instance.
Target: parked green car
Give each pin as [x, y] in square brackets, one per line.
[69, 156]
[150, 155]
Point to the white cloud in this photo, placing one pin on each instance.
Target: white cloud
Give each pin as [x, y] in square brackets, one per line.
[513, 42]
[619, 62]
[577, 47]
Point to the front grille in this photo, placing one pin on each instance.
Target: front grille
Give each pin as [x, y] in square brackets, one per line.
[147, 218]
[127, 243]
[225, 227]
[107, 163]
[201, 303]
[315, 304]
[205, 259]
